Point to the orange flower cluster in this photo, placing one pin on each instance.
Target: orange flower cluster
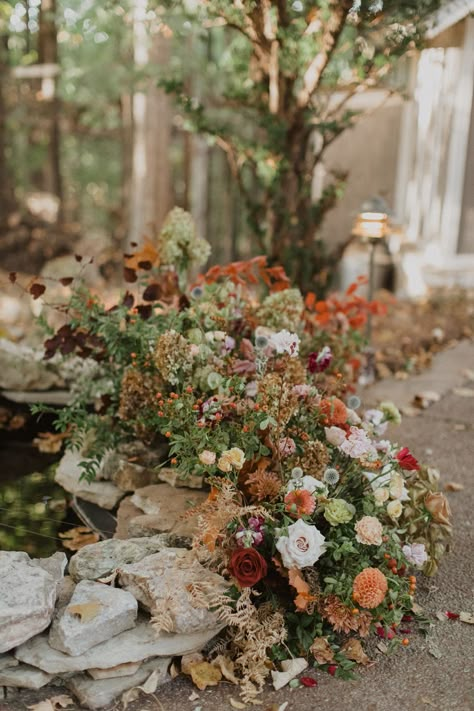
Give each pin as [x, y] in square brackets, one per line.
[369, 588]
[334, 410]
[300, 503]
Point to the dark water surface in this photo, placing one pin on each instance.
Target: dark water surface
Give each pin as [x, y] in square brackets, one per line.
[33, 508]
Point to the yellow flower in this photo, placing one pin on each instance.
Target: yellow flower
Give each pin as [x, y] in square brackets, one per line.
[231, 458]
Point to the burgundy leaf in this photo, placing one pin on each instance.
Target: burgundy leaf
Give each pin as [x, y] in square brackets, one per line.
[146, 265]
[78, 258]
[12, 277]
[152, 292]
[36, 290]
[145, 311]
[128, 300]
[65, 281]
[129, 275]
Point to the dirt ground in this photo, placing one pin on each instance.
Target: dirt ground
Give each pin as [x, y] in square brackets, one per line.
[433, 672]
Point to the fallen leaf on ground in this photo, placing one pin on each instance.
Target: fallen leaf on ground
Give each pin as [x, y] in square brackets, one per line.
[193, 697]
[434, 650]
[469, 374]
[425, 399]
[427, 701]
[463, 392]
[50, 442]
[467, 617]
[187, 661]
[382, 647]
[86, 611]
[236, 704]
[354, 651]
[52, 704]
[148, 687]
[453, 486]
[226, 666]
[204, 674]
[321, 650]
[77, 538]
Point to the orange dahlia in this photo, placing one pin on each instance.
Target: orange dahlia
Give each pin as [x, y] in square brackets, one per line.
[334, 410]
[300, 502]
[369, 588]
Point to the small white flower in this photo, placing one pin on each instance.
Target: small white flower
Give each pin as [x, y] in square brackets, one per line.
[302, 547]
[357, 444]
[331, 476]
[285, 342]
[296, 473]
[415, 553]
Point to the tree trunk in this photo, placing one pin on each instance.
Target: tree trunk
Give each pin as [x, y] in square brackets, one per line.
[151, 193]
[7, 201]
[48, 54]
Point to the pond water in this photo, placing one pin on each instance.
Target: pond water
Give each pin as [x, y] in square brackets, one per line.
[33, 508]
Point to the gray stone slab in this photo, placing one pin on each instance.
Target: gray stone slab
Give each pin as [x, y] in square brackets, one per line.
[160, 583]
[106, 612]
[133, 645]
[98, 560]
[94, 694]
[27, 597]
[24, 677]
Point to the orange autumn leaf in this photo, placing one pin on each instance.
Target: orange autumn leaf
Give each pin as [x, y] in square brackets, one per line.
[304, 596]
[148, 253]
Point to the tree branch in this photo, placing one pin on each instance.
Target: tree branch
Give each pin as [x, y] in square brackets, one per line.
[315, 70]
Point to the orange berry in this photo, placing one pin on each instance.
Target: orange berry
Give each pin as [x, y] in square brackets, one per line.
[405, 642]
[412, 579]
[245, 428]
[355, 611]
[160, 414]
[256, 406]
[168, 434]
[386, 556]
[189, 389]
[174, 460]
[133, 355]
[169, 401]
[159, 395]
[392, 563]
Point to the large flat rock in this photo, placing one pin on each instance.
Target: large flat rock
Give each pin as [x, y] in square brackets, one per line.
[160, 583]
[27, 596]
[24, 677]
[95, 613]
[94, 694]
[98, 560]
[22, 368]
[133, 645]
[100, 492]
[168, 505]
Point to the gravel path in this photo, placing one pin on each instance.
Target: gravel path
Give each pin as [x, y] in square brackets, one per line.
[433, 672]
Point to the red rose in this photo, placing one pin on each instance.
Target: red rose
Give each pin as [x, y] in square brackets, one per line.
[247, 566]
[407, 461]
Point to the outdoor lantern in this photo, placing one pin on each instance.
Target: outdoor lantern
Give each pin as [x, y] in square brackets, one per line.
[371, 227]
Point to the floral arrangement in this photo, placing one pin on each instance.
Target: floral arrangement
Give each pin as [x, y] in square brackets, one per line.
[319, 524]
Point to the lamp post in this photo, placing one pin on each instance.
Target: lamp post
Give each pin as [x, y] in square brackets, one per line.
[371, 227]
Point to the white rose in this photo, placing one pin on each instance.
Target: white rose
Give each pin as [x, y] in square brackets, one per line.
[394, 509]
[380, 496]
[302, 547]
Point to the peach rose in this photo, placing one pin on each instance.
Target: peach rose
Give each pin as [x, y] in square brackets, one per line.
[438, 506]
[207, 457]
[369, 531]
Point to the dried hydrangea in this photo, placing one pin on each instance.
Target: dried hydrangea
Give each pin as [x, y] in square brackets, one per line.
[178, 244]
[314, 459]
[275, 394]
[172, 354]
[281, 310]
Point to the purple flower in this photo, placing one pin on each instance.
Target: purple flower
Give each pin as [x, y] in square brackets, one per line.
[319, 361]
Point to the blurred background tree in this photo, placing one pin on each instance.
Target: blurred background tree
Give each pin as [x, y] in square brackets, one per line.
[112, 112]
